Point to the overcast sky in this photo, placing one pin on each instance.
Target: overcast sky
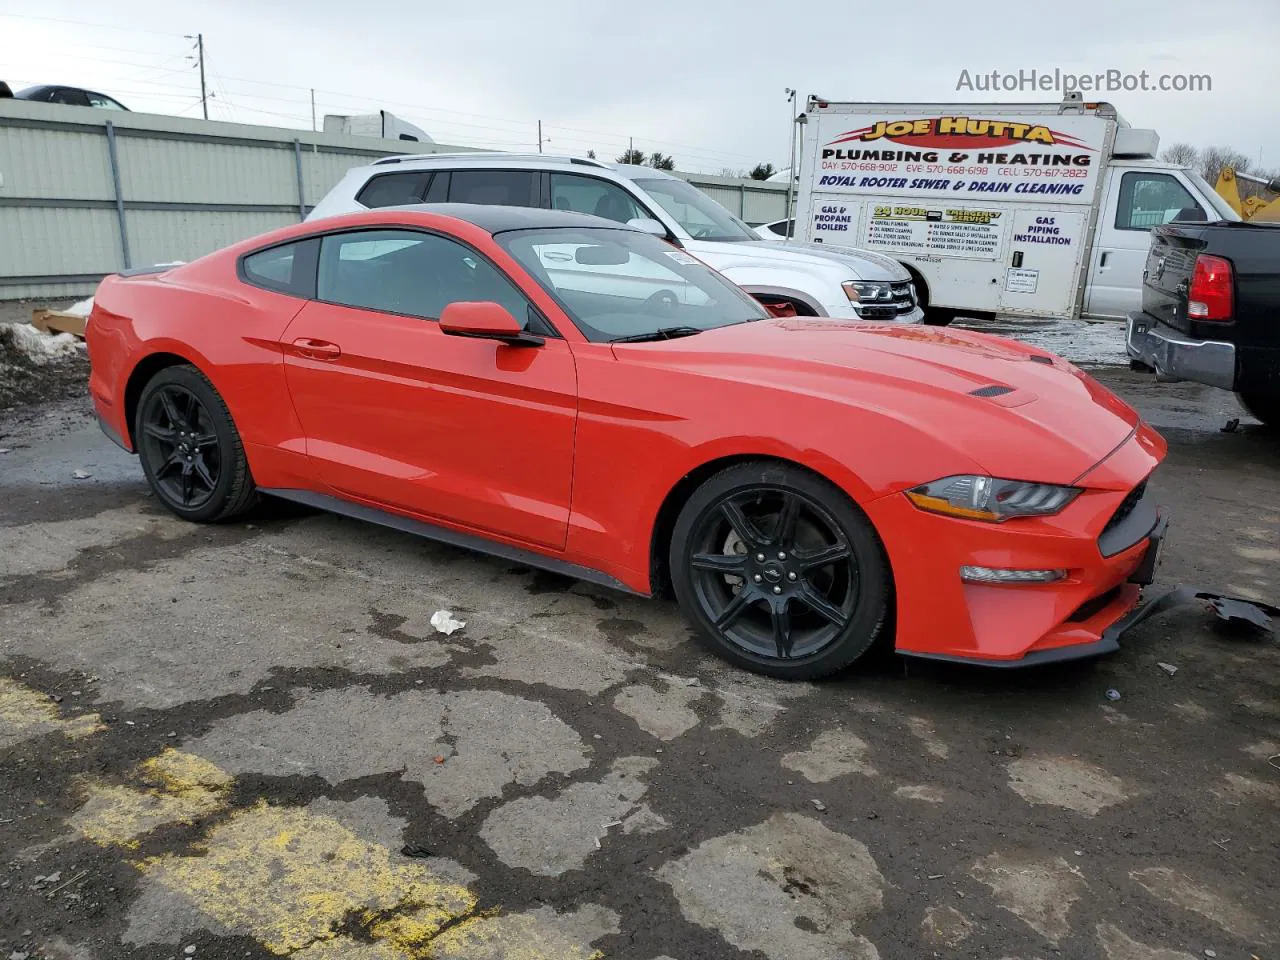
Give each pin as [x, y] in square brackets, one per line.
[702, 80]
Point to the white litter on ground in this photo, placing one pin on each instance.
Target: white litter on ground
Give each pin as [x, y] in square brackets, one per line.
[39, 348]
[443, 621]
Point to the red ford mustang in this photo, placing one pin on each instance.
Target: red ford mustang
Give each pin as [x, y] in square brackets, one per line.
[587, 398]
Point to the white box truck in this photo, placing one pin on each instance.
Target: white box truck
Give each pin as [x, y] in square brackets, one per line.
[1016, 210]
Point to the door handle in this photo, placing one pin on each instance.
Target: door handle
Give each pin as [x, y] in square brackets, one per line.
[1102, 260]
[316, 349]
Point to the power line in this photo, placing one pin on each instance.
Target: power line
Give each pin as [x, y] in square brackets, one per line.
[520, 124]
[440, 118]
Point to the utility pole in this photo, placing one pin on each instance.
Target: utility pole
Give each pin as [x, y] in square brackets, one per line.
[313, 109]
[204, 95]
[539, 136]
[791, 170]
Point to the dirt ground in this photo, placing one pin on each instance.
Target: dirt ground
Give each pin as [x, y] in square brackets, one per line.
[248, 741]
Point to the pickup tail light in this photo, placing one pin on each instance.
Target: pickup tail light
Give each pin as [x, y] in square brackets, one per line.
[1210, 296]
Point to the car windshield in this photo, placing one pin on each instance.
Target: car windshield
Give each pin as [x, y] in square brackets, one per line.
[701, 217]
[1220, 206]
[619, 284]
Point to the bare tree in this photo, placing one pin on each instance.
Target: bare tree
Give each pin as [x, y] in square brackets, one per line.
[632, 155]
[1181, 154]
[762, 171]
[591, 154]
[1213, 159]
[661, 162]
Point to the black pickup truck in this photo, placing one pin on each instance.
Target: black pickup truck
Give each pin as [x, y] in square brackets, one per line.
[1211, 310]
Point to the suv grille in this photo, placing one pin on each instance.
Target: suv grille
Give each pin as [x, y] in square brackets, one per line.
[904, 302]
[1126, 507]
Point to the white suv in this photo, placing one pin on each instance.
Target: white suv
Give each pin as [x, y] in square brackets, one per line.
[849, 284]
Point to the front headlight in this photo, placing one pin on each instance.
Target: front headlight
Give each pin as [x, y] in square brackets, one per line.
[991, 499]
[867, 292]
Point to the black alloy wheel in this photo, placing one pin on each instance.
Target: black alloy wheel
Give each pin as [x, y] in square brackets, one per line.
[780, 570]
[181, 445]
[190, 449]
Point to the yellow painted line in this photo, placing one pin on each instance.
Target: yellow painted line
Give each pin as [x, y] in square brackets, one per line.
[26, 713]
[178, 788]
[293, 879]
[290, 877]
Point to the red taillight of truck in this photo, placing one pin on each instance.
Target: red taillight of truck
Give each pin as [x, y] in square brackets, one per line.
[1210, 296]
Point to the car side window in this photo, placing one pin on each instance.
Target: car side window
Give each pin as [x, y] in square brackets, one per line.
[583, 194]
[104, 103]
[67, 95]
[411, 273]
[288, 268]
[513, 188]
[393, 189]
[1150, 200]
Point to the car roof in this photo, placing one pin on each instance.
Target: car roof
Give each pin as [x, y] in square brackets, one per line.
[531, 161]
[495, 218]
[46, 87]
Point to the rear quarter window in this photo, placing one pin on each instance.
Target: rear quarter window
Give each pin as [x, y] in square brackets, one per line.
[287, 268]
[394, 189]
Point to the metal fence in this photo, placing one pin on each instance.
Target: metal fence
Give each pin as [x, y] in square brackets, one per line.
[85, 192]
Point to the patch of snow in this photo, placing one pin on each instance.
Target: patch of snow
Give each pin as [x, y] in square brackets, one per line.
[80, 308]
[39, 348]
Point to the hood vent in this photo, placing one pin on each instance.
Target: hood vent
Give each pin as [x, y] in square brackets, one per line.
[992, 391]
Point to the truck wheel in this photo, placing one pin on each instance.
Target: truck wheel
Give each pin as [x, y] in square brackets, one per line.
[1264, 406]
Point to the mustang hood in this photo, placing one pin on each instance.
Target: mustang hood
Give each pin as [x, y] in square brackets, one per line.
[1018, 412]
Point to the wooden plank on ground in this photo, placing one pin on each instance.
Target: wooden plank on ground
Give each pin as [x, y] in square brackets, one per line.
[55, 321]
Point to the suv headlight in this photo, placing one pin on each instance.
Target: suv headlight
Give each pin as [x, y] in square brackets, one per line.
[867, 291]
[990, 499]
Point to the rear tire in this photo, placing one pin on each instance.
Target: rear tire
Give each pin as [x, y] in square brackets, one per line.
[817, 601]
[1264, 406]
[190, 449]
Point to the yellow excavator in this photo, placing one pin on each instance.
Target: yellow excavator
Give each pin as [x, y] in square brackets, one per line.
[1250, 208]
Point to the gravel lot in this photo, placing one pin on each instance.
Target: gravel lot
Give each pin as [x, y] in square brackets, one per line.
[248, 741]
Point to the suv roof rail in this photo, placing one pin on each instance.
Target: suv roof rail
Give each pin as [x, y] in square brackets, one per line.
[485, 154]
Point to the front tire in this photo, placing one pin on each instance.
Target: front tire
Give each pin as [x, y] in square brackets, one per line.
[1264, 406]
[779, 571]
[190, 449]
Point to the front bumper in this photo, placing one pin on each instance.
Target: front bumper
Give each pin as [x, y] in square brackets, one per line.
[1175, 356]
[1127, 599]
[1107, 540]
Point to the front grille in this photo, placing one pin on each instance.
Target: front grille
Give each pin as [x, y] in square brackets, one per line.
[903, 302]
[1126, 507]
